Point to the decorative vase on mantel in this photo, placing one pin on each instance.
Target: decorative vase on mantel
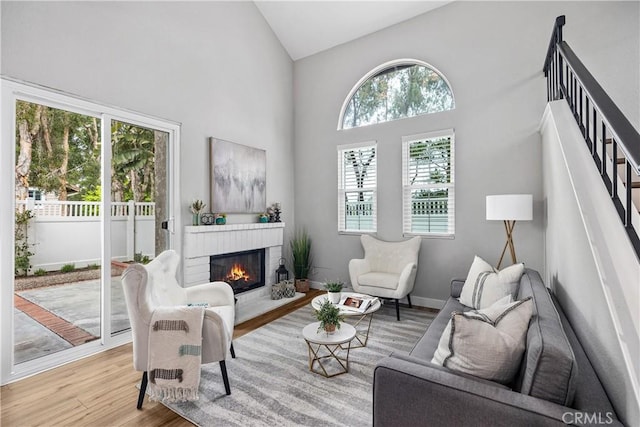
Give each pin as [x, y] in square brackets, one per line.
[196, 207]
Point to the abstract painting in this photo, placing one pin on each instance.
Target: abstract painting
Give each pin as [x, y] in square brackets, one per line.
[238, 178]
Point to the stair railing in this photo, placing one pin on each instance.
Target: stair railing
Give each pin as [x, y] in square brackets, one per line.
[600, 122]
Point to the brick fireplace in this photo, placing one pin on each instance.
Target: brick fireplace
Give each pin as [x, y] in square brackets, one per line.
[201, 243]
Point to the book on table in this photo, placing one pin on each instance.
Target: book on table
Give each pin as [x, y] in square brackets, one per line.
[357, 302]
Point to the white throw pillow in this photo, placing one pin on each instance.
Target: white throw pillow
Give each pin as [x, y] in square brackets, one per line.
[486, 343]
[485, 285]
[490, 313]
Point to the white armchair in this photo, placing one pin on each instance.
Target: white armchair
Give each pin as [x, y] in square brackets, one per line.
[147, 287]
[388, 269]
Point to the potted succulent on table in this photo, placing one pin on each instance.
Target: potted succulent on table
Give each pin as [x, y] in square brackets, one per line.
[302, 260]
[329, 317]
[334, 291]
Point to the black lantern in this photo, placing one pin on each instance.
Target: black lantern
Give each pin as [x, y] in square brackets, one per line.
[281, 272]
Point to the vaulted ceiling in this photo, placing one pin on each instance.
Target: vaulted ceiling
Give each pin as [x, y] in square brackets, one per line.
[308, 27]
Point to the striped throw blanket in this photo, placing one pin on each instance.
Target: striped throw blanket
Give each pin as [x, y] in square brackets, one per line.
[175, 349]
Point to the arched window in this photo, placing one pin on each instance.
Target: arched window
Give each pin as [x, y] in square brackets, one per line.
[395, 90]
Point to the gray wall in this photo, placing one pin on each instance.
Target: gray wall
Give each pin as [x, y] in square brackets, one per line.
[492, 54]
[215, 67]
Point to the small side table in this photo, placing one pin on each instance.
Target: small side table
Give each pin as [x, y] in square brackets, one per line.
[324, 347]
[362, 333]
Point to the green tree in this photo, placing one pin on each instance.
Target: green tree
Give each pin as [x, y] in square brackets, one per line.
[435, 156]
[132, 163]
[365, 105]
[404, 90]
[360, 160]
[56, 149]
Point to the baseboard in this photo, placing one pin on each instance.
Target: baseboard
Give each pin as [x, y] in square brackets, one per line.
[436, 304]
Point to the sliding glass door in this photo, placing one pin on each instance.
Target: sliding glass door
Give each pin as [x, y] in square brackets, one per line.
[92, 192]
[57, 260]
[138, 173]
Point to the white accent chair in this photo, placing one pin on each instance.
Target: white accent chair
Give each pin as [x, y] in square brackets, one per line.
[388, 269]
[147, 287]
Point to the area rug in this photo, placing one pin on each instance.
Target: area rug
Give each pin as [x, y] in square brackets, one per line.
[271, 384]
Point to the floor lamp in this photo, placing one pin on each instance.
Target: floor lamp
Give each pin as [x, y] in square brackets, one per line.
[509, 208]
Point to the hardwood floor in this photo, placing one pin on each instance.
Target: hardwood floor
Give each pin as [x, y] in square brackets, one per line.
[100, 390]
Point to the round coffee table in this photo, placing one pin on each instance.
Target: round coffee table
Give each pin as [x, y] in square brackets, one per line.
[326, 347]
[362, 334]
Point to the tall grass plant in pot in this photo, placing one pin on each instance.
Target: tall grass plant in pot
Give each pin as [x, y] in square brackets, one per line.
[302, 259]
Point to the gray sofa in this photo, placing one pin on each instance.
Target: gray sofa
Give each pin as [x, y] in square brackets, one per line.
[556, 384]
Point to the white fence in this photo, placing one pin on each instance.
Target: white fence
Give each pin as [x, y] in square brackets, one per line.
[427, 216]
[70, 233]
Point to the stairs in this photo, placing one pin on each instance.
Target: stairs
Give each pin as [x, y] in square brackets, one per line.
[635, 178]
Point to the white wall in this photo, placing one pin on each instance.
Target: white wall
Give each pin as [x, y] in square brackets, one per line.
[590, 262]
[492, 53]
[215, 67]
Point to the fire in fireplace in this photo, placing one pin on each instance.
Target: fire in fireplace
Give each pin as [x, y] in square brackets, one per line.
[242, 270]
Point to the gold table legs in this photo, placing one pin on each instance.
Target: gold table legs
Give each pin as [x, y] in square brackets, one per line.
[362, 335]
[332, 350]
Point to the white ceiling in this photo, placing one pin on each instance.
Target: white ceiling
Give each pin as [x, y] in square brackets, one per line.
[308, 27]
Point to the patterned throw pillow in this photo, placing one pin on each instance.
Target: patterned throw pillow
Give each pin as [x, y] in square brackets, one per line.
[487, 343]
[485, 285]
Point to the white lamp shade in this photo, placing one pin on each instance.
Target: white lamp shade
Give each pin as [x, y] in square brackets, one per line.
[516, 207]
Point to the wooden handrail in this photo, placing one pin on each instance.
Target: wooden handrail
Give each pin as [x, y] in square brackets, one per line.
[556, 37]
[600, 121]
[622, 130]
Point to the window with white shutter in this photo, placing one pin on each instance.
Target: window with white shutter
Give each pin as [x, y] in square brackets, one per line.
[357, 187]
[428, 191]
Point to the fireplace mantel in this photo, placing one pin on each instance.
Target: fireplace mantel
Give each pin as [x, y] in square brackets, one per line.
[200, 242]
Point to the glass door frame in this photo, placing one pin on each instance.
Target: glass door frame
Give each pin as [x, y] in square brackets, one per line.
[12, 91]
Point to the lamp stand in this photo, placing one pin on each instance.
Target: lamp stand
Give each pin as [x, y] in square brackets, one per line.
[508, 226]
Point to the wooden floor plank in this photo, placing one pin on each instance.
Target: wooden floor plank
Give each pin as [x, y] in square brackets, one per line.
[100, 390]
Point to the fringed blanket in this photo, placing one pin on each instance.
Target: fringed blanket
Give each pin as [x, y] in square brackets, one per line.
[175, 349]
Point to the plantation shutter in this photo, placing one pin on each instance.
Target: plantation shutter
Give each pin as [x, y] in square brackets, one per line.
[428, 191]
[357, 187]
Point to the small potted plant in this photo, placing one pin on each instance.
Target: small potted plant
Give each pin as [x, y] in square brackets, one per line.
[196, 207]
[333, 291]
[329, 317]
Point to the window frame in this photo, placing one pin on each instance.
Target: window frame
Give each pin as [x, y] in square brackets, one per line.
[15, 90]
[377, 70]
[407, 217]
[342, 225]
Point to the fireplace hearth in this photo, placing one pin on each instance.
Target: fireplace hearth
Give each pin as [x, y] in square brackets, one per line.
[242, 270]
